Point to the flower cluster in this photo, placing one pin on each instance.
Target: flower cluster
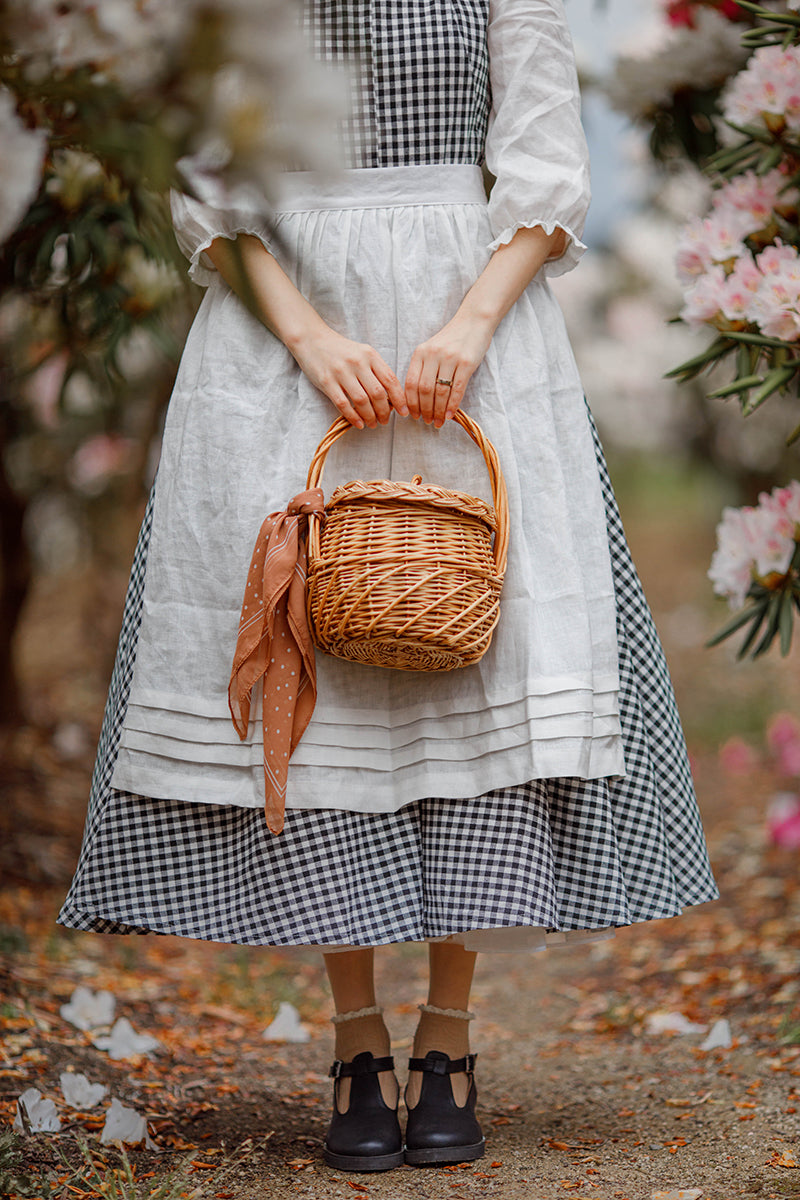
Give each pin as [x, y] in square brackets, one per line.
[756, 544]
[696, 55]
[761, 291]
[736, 271]
[766, 94]
[684, 12]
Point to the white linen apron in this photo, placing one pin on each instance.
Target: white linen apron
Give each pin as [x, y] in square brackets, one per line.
[385, 255]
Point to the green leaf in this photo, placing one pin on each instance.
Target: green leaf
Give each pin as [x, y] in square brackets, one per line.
[777, 379]
[786, 621]
[773, 616]
[717, 349]
[751, 636]
[756, 339]
[749, 613]
[742, 384]
[753, 133]
[770, 160]
[766, 15]
[724, 158]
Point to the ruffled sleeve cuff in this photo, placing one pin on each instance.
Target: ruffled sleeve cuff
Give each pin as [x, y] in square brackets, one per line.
[553, 266]
[217, 213]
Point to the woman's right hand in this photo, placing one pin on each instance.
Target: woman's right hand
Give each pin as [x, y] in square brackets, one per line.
[352, 375]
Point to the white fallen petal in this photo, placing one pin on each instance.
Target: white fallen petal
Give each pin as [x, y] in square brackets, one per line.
[720, 1037]
[88, 1010]
[671, 1022]
[287, 1026]
[125, 1125]
[125, 1042]
[79, 1092]
[41, 1113]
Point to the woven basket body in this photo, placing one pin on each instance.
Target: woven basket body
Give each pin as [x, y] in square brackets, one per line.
[407, 575]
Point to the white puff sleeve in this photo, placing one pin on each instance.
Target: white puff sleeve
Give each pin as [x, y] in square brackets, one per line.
[219, 212]
[535, 145]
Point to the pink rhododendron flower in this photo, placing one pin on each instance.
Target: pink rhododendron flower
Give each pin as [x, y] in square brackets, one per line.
[94, 463]
[783, 821]
[757, 195]
[737, 757]
[740, 287]
[767, 92]
[783, 739]
[779, 260]
[693, 257]
[755, 542]
[704, 301]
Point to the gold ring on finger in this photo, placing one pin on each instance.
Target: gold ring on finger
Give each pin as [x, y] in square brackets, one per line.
[445, 382]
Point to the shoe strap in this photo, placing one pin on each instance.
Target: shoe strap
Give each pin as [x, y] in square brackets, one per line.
[366, 1066]
[442, 1066]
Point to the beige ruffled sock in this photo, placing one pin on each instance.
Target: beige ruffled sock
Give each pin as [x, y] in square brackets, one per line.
[445, 1029]
[363, 1029]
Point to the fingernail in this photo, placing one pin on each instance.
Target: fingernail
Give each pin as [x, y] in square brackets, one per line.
[403, 411]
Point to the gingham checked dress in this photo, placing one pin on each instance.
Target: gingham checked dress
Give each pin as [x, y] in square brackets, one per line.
[542, 796]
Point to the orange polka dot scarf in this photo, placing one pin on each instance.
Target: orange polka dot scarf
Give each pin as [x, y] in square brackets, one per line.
[274, 645]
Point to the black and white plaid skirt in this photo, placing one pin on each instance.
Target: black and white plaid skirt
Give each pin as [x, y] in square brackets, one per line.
[521, 867]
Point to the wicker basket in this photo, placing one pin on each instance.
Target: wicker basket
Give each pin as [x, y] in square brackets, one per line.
[405, 575]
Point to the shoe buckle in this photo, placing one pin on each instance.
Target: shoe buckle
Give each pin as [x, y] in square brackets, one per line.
[336, 1070]
[469, 1061]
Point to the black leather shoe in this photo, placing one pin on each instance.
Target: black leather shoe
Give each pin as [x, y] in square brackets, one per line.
[438, 1131]
[367, 1137]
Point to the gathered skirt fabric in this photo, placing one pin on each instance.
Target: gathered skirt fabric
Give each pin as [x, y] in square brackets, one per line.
[519, 867]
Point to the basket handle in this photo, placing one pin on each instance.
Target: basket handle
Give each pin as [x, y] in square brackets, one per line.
[499, 493]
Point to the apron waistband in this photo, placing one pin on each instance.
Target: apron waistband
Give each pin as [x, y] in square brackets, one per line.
[380, 187]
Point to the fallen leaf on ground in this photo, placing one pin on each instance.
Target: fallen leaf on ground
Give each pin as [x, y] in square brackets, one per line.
[785, 1159]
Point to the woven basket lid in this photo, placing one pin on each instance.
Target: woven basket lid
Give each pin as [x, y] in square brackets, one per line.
[390, 490]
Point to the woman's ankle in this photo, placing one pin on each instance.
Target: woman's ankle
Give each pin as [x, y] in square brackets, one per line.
[445, 1029]
[359, 1030]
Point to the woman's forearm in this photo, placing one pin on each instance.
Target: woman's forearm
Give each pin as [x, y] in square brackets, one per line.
[260, 282]
[507, 274]
[354, 377]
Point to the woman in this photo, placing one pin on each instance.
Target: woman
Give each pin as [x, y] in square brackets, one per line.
[563, 801]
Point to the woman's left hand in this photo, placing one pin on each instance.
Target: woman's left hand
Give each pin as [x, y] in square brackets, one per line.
[441, 368]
